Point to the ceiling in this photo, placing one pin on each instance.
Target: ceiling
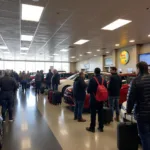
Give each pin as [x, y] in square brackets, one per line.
[63, 22]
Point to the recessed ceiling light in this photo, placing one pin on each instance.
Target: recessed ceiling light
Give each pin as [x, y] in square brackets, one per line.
[149, 35]
[25, 48]
[116, 24]
[80, 55]
[95, 55]
[55, 54]
[89, 52]
[107, 52]
[26, 37]
[64, 50]
[82, 41]
[23, 53]
[132, 41]
[31, 12]
[98, 50]
[6, 52]
[117, 44]
[3, 47]
[73, 57]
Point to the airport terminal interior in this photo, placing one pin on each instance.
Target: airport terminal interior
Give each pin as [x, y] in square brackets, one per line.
[68, 37]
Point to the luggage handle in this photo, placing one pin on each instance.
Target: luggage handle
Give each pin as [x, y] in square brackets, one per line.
[131, 117]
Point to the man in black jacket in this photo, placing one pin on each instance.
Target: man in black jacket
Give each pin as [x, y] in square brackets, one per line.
[48, 79]
[79, 96]
[8, 88]
[139, 99]
[55, 80]
[94, 104]
[114, 87]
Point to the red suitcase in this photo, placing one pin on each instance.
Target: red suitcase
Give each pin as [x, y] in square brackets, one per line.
[50, 94]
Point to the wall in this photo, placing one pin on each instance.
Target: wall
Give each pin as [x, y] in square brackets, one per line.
[93, 63]
[133, 52]
[144, 49]
[73, 67]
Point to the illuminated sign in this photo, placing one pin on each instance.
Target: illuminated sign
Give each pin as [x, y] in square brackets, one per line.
[124, 57]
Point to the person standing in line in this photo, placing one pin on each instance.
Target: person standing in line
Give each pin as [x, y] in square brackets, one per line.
[24, 81]
[79, 94]
[38, 81]
[139, 98]
[48, 79]
[94, 104]
[8, 87]
[55, 80]
[114, 87]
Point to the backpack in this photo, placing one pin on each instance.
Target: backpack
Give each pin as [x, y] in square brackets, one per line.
[101, 93]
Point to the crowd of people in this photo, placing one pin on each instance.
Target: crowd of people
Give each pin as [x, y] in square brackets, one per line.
[10, 82]
[138, 99]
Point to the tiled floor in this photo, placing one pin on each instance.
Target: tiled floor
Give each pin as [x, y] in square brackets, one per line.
[39, 125]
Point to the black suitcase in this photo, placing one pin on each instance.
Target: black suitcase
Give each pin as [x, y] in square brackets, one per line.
[56, 98]
[127, 136]
[107, 114]
[42, 90]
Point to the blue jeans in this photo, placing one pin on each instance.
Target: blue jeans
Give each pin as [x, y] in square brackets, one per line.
[144, 132]
[78, 109]
[114, 103]
[38, 86]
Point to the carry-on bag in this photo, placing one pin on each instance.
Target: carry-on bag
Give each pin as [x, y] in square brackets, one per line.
[50, 94]
[107, 115]
[56, 98]
[127, 136]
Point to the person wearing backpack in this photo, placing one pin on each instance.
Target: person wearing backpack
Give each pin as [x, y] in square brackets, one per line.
[114, 87]
[97, 89]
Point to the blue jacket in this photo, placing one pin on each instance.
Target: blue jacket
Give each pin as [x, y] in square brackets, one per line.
[79, 89]
[92, 87]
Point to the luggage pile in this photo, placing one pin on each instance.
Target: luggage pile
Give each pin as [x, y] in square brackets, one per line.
[54, 97]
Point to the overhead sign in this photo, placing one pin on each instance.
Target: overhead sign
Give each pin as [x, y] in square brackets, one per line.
[124, 57]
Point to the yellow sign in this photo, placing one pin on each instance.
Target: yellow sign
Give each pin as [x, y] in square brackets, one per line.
[124, 57]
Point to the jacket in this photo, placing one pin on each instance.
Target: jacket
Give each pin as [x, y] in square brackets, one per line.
[38, 77]
[56, 79]
[139, 98]
[114, 85]
[8, 84]
[49, 77]
[79, 88]
[92, 87]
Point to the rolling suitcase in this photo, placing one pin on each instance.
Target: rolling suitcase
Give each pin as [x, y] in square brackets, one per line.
[50, 94]
[56, 98]
[107, 114]
[127, 136]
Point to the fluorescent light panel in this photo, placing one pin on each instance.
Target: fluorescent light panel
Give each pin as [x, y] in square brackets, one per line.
[55, 54]
[132, 41]
[73, 57]
[6, 52]
[117, 44]
[80, 55]
[82, 41]
[149, 35]
[25, 48]
[89, 52]
[23, 53]
[98, 50]
[107, 52]
[64, 50]
[3, 47]
[31, 12]
[116, 24]
[26, 37]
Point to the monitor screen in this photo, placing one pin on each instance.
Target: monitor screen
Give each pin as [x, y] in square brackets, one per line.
[145, 57]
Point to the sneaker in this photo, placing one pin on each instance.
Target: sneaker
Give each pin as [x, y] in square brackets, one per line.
[90, 129]
[101, 130]
[4, 121]
[11, 120]
[81, 120]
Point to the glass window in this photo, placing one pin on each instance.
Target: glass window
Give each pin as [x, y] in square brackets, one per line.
[30, 66]
[39, 66]
[20, 66]
[57, 66]
[9, 65]
[66, 67]
[1, 65]
[47, 66]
